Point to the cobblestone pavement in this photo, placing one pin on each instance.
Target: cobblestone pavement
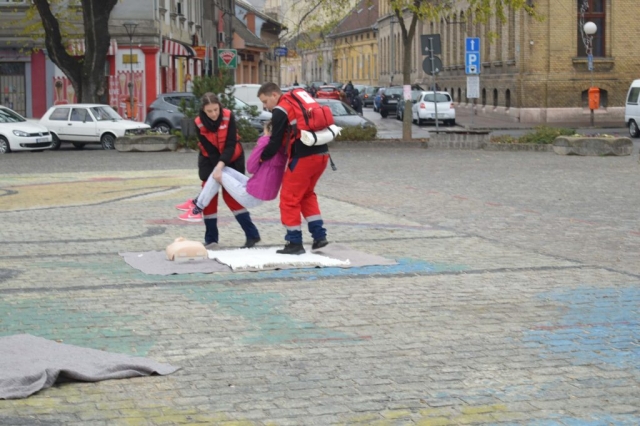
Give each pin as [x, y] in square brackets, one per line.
[515, 300]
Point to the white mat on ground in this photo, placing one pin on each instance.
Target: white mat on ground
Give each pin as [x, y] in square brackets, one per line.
[155, 262]
[29, 364]
[266, 258]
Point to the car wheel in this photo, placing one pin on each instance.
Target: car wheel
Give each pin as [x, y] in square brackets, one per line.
[634, 132]
[78, 145]
[398, 116]
[55, 142]
[384, 113]
[163, 128]
[108, 141]
[4, 146]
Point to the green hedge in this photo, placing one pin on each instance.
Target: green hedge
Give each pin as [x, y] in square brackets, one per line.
[357, 133]
[543, 135]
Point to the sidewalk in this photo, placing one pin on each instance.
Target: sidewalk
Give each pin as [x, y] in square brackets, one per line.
[465, 119]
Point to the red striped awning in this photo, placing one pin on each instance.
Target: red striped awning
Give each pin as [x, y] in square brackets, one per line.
[175, 48]
[76, 47]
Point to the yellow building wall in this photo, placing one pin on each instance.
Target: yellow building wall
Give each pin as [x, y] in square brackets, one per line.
[355, 59]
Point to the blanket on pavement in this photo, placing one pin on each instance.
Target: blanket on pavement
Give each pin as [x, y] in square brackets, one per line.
[29, 364]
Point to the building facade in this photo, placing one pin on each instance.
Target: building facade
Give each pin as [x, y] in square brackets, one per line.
[355, 48]
[534, 71]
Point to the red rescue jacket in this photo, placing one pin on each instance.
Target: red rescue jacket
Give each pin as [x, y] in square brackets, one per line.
[218, 138]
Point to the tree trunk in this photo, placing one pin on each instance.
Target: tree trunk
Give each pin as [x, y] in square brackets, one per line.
[407, 41]
[86, 74]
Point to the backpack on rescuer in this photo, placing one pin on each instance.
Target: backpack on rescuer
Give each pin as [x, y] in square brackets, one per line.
[312, 119]
[310, 115]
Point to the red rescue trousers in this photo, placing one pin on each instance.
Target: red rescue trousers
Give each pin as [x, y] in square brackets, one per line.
[211, 211]
[297, 195]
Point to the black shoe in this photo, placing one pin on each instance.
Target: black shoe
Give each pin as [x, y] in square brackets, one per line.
[291, 248]
[318, 244]
[251, 242]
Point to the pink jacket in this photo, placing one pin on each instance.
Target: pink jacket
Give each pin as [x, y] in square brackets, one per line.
[267, 176]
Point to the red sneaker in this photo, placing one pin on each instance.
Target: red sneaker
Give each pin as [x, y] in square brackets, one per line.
[188, 216]
[186, 206]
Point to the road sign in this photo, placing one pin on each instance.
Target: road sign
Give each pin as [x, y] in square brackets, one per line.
[472, 56]
[472, 63]
[437, 64]
[472, 44]
[227, 58]
[435, 40]
[281, 51]
[473, 86]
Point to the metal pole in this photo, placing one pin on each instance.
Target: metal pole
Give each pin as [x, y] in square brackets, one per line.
[131, 81]
[591, 73]
[435, 85]
[393, 52]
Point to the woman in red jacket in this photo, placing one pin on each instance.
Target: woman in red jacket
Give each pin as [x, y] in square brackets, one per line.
[219, 148]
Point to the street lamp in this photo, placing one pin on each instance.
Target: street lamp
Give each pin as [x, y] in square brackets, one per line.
[588, 29]
[130, 27]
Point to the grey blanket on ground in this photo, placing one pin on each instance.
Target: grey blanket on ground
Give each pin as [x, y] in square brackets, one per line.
[156, 263]
[29, 364]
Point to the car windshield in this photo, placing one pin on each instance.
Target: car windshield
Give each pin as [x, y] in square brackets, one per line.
[393, 91]
[105, 113]
[327, 89]
[8, 116]
[240, 105]
[338, 109]
[439, 97]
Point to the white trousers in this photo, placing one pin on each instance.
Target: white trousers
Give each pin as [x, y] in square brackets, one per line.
[235, 183]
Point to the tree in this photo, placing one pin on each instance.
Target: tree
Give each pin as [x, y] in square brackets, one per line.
[409, 12]
[86, 73]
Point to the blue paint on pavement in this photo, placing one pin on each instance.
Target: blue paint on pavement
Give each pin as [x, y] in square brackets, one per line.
[595, 325]
[263, 311]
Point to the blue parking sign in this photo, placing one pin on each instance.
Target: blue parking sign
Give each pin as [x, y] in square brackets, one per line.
[472, 56]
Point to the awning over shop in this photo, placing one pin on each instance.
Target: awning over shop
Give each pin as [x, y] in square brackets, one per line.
[175, 48]
[77, 48]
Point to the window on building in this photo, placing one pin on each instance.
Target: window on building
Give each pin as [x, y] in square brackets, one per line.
[495, 98]
[484, 97]
[507, 99]
[596, 13]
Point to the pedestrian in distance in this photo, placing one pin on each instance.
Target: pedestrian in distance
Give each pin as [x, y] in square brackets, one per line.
[305, 166]
[219, 148]
[356, 102]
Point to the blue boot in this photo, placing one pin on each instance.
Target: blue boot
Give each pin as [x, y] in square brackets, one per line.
[211, 231]
[319, 234]
[250, 230]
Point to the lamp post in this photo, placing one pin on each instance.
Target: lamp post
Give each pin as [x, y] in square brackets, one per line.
[130, 27]
[588, 29]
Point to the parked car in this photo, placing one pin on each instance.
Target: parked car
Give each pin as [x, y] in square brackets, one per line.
[164, 113]
[415, 95]
[88, 123]
[389, 100]
[344, 115]
[19, 134]
[367, 95]
[328, 92]
[425, 108]
[632, 109]
[248, 93]
[258, 121]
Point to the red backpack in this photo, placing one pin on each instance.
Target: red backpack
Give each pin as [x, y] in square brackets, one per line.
[309, 114]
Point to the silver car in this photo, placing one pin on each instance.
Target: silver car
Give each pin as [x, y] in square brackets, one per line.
[164, 113]
[344, 115]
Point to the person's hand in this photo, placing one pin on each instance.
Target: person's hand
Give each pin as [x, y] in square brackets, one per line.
[217, 174]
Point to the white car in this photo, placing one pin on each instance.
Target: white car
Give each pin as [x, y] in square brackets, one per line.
[424, 109]
[88, 123]
[17, 133]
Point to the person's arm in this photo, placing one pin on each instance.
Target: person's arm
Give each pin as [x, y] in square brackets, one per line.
[279, 122]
